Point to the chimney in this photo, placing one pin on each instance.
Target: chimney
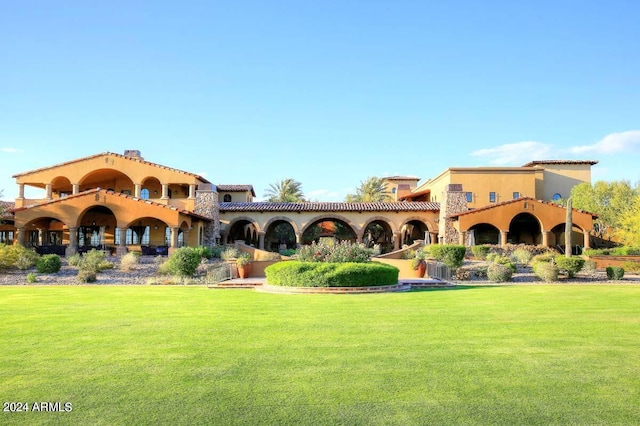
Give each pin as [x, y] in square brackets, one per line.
[133, 153]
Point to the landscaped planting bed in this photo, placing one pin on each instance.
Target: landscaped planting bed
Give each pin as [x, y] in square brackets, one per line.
[329, 274]
[187, 355]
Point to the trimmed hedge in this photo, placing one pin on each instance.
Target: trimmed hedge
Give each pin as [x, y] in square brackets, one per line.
[615, 273]
[451, 255]
[49, 264]
[569, 265]
[481, 251]
[322, 274]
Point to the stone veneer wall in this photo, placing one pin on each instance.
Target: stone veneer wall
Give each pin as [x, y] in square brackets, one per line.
[207, 205]
[453, 201]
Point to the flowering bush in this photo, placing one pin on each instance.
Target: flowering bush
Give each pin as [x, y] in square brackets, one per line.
[342, 252]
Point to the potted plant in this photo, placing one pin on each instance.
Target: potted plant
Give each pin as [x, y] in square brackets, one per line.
[418, 264]
[243, 262]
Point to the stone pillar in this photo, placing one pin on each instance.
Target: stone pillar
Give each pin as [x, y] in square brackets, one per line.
[75, 188]
[503, 238]
[545, 238]
[192, 191]
[40, 237]
[20, 236]
[48, 191]
[72, 248]
[462, 238]
[121, 250]
[136, 190]
[207, 205]
[21, 190]
[453, 201]
[298, 239]
[225, 239]
[587, 239]
[261, 240]
[165, 192]
[174, 237]
[397, 240]
[434, 237]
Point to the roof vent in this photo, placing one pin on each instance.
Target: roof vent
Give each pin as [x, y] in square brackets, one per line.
[133, 153]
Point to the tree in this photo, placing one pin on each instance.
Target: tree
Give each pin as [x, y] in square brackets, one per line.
[629, 229]
[611, 201]
[373, 189]
[285, 191]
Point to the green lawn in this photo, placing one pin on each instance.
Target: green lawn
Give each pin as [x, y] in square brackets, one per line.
[188, 355]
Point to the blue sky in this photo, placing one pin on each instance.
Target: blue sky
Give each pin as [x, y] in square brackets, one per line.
[324, 92]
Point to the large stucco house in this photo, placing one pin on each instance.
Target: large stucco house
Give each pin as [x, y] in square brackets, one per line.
[121, 202]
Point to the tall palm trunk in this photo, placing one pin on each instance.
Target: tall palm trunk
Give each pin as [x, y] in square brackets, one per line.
[568, 227]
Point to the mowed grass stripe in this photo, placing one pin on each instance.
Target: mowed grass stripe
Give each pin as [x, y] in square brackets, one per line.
[477, 355]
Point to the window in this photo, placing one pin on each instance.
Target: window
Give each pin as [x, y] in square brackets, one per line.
[557, 197]
[393, 190]
[227, 198]
[469, 197]
[516, 195]
[492, 197]
[144, 194]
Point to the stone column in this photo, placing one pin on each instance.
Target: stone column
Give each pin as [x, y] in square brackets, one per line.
[73, 242]
[587, 239]
[165, 192]
[40, 237]
[75, 188]
[121, 250]
[503, 238]
[48, 191]
[21, 190]
[397, 240]
[298, 239]
[20, 236]
[545, 238]
[137, 189]
[462, 238]
[192, 191]
[174, 237]
[261, 240]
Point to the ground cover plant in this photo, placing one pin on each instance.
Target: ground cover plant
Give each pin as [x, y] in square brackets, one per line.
[189, 355]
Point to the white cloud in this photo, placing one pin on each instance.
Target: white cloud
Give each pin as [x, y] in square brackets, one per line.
[11, 150]
[323, 195]
[515, 154]
[613, 143]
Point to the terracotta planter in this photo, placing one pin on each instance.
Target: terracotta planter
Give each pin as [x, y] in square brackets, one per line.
[244, 271]
[421, 269]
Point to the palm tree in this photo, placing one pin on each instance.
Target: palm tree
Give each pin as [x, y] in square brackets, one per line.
[373, 189]
[285, 191]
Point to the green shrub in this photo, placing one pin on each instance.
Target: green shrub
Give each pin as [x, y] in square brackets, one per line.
[75, 260]
[491, 256]
[451, 255]
[522, 256]
[183, 262]
[288, 252]
[615, 251]
[546, 271]
[129, 261]
[470, 272]
[324, 274]
[343, 252]
[545, 258]
[409, 254]
[615, 272]
[16, 256]
[95, 260]
[216, 251]
[590, 268]
[632, 267]
[32, 278]
[480, 252]
[569, 265]
[49, 264]
[86, 276]
[499, 273]
[204, 252]
[505, 261]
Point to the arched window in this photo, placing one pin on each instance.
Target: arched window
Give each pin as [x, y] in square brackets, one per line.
[227, 198]
[144, 194]
[557, 197]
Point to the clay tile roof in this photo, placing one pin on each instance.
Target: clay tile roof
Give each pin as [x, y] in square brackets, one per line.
[542, 162]
[236, 188]
[118, 194]
[77, 160]
[401, 178]
[504, 203]
[329, 207]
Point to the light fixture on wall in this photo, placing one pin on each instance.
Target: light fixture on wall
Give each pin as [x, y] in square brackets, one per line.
[93, 223]
[155, 227]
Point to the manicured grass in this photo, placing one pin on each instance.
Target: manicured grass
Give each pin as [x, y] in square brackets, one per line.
[189, 355]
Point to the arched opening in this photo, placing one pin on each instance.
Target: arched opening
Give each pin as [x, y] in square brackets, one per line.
[279, 236]
[97, 229]
[153, 187]
[61, 187]
[484, 233]
[107, 178]
[334, 230]
[149, 235]
[413, 230]
[47, 235]
[557, 239]
[243, 230]
[378, 236]
[524, 229]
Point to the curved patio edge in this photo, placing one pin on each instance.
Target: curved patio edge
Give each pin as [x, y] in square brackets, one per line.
[334, 290]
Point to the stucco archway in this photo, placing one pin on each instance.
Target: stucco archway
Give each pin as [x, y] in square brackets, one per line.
[280, 234]
[485, 233]
[525, 228]
[378, 233]
[328, 227]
